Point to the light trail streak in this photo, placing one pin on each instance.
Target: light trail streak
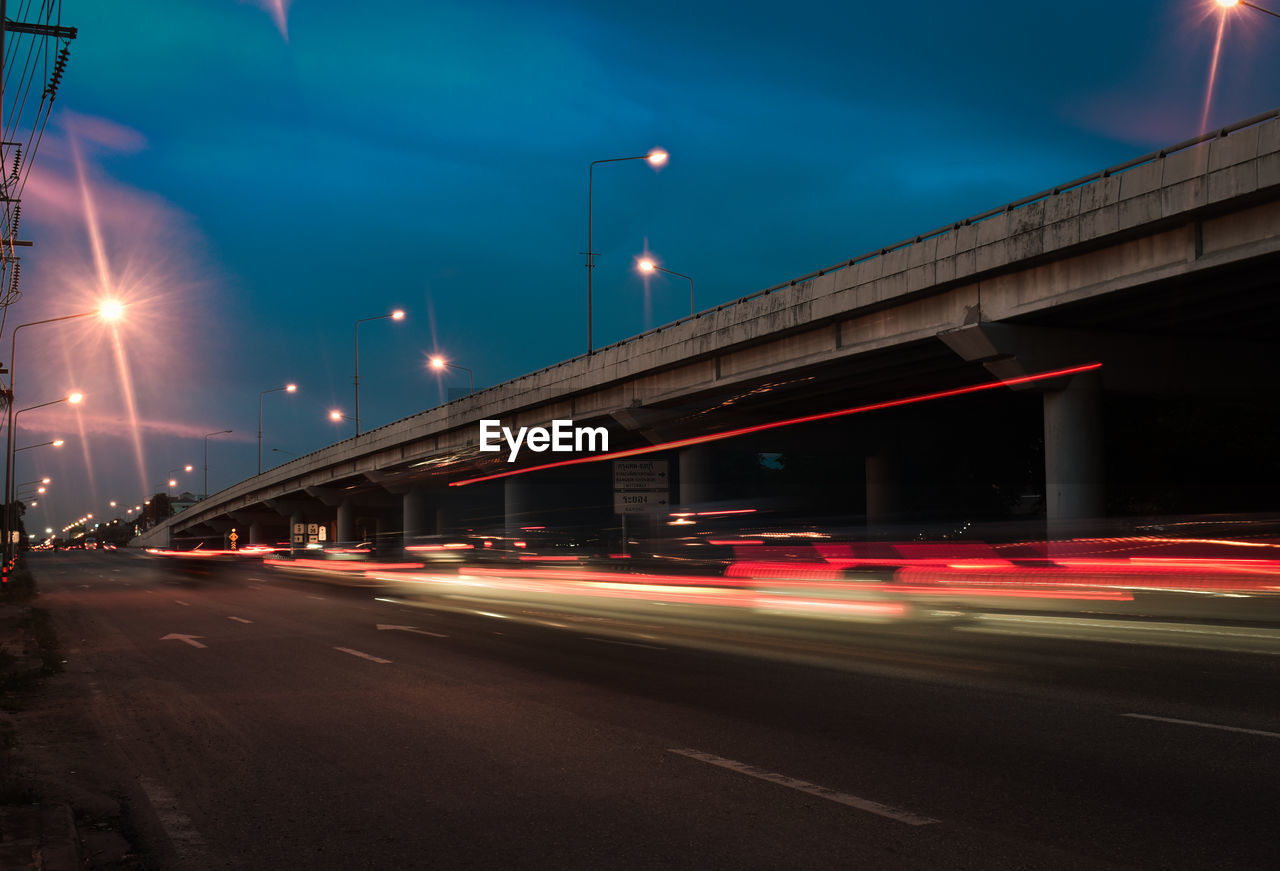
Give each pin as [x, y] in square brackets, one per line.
[1213, 71]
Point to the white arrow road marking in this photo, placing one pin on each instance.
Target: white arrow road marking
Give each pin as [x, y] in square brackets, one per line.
[239, 619]
[412, 629]
[844, 798]
[362, 655]
[189, 639]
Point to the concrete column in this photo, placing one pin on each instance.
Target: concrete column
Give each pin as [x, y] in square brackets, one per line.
[345, 530]
[518, 493]
[1073, 472]
[884, 486]
[414, 509]
[255, 532]
[697, 475]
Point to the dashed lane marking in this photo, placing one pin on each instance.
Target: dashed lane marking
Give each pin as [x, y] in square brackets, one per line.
[1261, 732]
[367, 656]
[864, 804]
[239, 619]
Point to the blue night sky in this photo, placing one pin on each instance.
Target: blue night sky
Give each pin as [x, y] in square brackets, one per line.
[253, 179]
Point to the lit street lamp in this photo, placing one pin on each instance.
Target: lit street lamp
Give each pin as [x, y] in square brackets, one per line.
[110, 310]
[206, 458]
[397, 315]
[11, 455]
[173, 482]
[657, 157]
[646, 264]
[57, 443]
[1227, 4]
[440, 364]
[288, 388]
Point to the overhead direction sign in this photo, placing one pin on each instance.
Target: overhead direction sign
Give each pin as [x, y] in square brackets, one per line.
[640, 486]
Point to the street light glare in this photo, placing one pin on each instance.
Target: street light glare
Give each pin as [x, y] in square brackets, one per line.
[57, 443]
[335, 415]
[657, 157]
[291, 388]
[111, 310]
[75, 398]
[437, 362]
[397, 315]
[646, 265]
[1227, 4]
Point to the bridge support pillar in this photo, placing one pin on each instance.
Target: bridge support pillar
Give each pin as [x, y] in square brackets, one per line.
[415, 510]
[255, 532]
[1073, 473]
[518, 502]
[697, 475]
[884, 486]
[346, 526]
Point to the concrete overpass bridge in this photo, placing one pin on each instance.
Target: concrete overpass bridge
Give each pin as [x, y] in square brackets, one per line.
[1165, 269]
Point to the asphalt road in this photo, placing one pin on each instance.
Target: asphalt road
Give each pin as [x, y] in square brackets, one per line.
[263, 721]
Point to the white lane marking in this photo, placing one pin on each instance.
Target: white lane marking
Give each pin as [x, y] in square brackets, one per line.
[179, 602]
[188, 639]
[321, 598]
[362, 655]
[187, 842]
[412, 629]
[1261, 732]
[239, 619]
[853, 801]
[624, 643]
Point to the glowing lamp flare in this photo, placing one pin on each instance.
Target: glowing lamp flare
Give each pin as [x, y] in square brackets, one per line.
[646, 265]
[657, 157]
[75, 398]
[291, 388]
[397, 315]
[1227, 4]
[335, 415]
[111, 310]
[57, 443]
[438, 362]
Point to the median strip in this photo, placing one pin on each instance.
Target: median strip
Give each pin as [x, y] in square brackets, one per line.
[864, 804]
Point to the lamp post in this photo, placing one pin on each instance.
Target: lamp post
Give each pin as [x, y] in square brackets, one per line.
[110, 310]
[173, 482]
[11, 457]
[397, 315]
[206, 458]
[440, 364]
[646, 264]
[1227, 4]
[57, 443]
[280, 451]
[288, 388]
[657, 157]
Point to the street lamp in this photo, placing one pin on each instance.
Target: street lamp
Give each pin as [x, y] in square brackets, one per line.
[173, 482]
[1227, 4]
[440, 364]
[646, 265]
[280, 451]
[57, 443]
[110, 310]
[11, 455]
[397, 315]
[657, 157]
[288, 388]
[206, 458]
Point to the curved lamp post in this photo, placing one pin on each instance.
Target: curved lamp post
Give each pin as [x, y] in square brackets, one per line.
[288, 388]
[657, 157]
[206, 458]
[440, 364]
[647, 265]
[397, 315]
